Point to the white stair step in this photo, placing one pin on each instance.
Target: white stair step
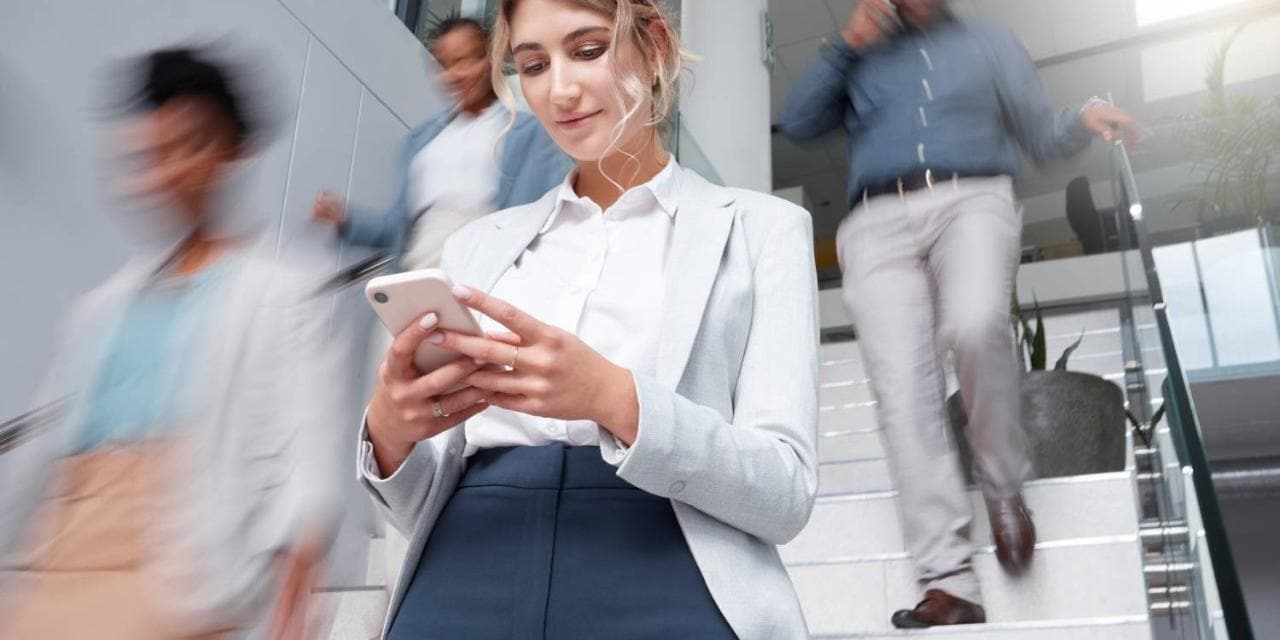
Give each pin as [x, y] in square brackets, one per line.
[842, 392]
[847, 350]
[851, 526]
[842, 446]
[376, 572]
[1110, 628]
[347, 615]
[856, 476]
[1080, 579]
[846, 417]
[842, 371]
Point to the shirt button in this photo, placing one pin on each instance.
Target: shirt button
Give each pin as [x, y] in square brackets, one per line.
[676, 487]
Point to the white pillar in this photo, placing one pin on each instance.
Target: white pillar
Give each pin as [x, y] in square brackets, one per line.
[725, 104]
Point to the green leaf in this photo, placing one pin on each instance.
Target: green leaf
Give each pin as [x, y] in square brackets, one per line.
[1061, 364]
[1137, 428]
[1038, 356]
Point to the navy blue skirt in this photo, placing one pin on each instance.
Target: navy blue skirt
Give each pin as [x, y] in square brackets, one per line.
[548, 543]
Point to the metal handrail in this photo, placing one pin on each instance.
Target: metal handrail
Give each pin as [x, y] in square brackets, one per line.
[25, 426]
[1184, 425]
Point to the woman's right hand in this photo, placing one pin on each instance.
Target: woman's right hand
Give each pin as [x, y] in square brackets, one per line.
[328, 208]
[402, 413]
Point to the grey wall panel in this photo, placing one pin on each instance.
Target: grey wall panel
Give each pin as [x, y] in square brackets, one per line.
[389, 70]
[324, 135]
[379, 138]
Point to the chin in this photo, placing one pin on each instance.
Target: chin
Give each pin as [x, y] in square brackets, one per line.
[588, 148]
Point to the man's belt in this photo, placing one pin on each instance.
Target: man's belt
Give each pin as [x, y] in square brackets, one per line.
[922, 180]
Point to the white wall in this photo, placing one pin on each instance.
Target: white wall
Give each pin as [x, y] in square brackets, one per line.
[725, 102]
[345, 79]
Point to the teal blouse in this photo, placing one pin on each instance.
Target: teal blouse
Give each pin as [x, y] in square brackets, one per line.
[142, 389]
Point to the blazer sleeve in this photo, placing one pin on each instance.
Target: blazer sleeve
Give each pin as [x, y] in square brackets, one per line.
[402, 496]
[384, 229]
[757, 472]
[370, 228]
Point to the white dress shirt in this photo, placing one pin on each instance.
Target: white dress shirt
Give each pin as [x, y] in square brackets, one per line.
[458, 170]
[599, 275]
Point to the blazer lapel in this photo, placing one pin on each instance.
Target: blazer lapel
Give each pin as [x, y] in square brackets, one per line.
[702, 227]
[512, 235]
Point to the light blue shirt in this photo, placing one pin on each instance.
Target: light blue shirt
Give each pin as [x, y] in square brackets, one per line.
[957, 98]
[143, 389]
[529, 166]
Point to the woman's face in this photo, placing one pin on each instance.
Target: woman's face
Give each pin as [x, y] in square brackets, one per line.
[464, 67]
[179, 153]
[563, 55]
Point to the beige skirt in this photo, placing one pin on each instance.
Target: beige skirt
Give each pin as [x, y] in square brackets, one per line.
[83, 572]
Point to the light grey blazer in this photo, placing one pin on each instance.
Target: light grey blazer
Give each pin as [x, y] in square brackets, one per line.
[728, 426]
[264, 457]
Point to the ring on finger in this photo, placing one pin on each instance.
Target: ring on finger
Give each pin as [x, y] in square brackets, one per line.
[437, 410]
[515, 355]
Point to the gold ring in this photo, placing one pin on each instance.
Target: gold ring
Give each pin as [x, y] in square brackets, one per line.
[514, 356]
[437, 410]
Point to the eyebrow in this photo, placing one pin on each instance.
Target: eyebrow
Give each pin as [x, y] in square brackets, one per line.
[574, 35]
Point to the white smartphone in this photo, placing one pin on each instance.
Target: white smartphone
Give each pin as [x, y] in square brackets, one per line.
[402, 298]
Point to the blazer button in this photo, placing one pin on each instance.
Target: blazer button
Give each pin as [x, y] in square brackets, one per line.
[677, 487]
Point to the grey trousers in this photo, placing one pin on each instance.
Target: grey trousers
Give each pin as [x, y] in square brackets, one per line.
[923, 274]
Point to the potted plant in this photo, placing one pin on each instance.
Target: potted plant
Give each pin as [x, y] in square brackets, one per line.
[1233, 141]
[1074, 422]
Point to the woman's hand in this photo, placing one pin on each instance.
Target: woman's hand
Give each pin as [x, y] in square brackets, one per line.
[408, 407]
[328, 208]
[544, 371]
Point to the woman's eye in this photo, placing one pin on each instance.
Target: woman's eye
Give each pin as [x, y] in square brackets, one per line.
[591, 53]
[533, 69]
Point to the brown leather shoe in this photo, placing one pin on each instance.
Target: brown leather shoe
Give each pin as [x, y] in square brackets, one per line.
[939, 608]
[1014, 533]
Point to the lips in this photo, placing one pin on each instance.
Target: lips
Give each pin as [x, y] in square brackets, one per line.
[577, 120]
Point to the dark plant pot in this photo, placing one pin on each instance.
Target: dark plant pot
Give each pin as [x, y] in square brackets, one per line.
[1075, 424]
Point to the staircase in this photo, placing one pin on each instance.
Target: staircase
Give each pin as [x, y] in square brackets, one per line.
[851, 570]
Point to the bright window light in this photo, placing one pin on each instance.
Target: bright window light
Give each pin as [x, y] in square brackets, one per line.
[1153, 11]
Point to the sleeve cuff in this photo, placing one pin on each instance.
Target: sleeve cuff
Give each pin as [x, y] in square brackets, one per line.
[367, 464]
[613, 450]
[839, 52]
[1076, 131]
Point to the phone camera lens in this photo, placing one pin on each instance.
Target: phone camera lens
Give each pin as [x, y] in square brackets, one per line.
[380, 296]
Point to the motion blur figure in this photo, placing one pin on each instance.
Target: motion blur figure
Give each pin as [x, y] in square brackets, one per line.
[936, 110]
[474, 159]
[456, 166]
[189, 490]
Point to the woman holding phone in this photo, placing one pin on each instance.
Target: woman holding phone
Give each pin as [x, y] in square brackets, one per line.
[637, 428]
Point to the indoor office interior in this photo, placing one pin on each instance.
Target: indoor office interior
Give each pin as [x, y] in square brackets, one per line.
[1145, 314]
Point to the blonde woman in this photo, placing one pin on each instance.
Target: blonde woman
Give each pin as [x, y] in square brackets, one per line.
[636, 431]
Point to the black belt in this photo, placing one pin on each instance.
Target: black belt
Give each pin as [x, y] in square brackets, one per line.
[920, 180]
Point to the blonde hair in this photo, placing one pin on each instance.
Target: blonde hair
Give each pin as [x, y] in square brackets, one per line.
[633, 25]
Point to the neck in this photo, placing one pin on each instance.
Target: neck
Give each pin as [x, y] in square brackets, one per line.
[605, 181]
[198, 251]
[476, 108]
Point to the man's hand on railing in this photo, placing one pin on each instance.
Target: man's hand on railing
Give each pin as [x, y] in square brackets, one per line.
[1111, 123]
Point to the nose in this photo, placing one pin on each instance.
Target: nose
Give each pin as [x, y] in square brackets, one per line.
[565, 89]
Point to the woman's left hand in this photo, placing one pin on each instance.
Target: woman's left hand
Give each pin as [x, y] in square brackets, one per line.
[543, 370]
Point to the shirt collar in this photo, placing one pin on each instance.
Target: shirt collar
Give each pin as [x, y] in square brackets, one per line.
[664, 187]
